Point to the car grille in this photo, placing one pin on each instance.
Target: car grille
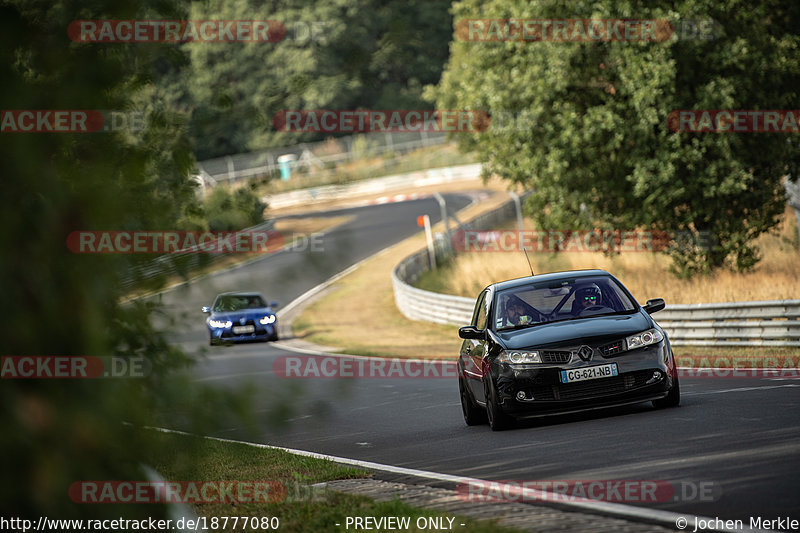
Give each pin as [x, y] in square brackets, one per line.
[551, 356]
[563, 356]
[249, 322]
[595, 387]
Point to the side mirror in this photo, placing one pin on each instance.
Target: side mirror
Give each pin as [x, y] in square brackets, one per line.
[274, 305]
[470, 332]
[206, 309]
[654, 305]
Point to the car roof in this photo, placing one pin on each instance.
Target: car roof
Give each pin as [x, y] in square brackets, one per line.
[550, 276]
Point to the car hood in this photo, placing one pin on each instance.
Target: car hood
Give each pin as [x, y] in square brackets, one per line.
[242, 313]
[578, 331]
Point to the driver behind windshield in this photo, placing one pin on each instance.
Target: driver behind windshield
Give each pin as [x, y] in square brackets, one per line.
[586, 297]
[254, 302]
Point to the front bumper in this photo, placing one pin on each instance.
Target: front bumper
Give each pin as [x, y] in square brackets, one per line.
[226, 335]
[643, 374]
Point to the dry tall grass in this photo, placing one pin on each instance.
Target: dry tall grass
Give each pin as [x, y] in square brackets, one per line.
[647, 275]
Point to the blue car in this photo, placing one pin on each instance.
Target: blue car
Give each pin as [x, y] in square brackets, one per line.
[241, 317]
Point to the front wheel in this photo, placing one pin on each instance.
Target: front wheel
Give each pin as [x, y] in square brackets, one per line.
[473, 415]
[498, 420]
[673, 399]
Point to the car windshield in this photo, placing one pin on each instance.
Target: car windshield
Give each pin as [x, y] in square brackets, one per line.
[237, 302]
[541, 303]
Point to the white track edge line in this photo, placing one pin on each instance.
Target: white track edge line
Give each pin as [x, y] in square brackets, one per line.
[626, 511]
[604, 508]
[772, 372]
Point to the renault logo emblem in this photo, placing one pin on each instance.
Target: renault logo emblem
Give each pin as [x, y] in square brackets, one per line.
[585, 353]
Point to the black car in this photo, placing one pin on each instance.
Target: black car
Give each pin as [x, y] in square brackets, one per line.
[559, 343]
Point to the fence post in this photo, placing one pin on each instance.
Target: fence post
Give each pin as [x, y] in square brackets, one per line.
[793, 194]
[518, 205]
[229, 161]
[426, 222]
[389, 143]
[445, 217]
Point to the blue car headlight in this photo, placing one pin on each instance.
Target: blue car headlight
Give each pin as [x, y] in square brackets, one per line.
[518, 357]
[645, 338]
[220, 323]
[267, 320]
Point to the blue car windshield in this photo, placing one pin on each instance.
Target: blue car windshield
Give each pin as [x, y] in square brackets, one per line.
[541, 303]
[234, 302]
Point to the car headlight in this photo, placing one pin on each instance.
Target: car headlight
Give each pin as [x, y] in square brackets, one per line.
[651, 336]
[220, 323]
[267, 320]
[519, 357]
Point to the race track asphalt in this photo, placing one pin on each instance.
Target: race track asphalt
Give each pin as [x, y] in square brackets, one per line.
[731, 450]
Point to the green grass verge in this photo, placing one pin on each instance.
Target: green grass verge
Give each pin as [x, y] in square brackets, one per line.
[436, 280]
[184, 457]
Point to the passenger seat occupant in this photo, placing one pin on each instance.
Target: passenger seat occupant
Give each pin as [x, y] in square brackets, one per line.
[516, 314]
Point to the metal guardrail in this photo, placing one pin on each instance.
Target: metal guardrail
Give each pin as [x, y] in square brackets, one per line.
[761, 323]
[428, 306]
[422, 178]
[179, 264]
[238, 167]
[185, 262]
[418, 304]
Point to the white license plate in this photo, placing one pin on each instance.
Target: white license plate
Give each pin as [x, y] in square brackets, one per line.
[243, 329]
[589, 372]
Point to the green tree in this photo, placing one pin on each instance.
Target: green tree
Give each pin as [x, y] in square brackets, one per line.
[60, 431]
[584, 124]
[229, 211]
[336, 54]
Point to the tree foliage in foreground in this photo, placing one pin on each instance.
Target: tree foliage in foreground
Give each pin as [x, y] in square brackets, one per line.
[590, 132]
[60, 431]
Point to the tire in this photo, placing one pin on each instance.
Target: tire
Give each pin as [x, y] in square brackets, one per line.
[473, 415]
[498, 420]
[673, 399]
